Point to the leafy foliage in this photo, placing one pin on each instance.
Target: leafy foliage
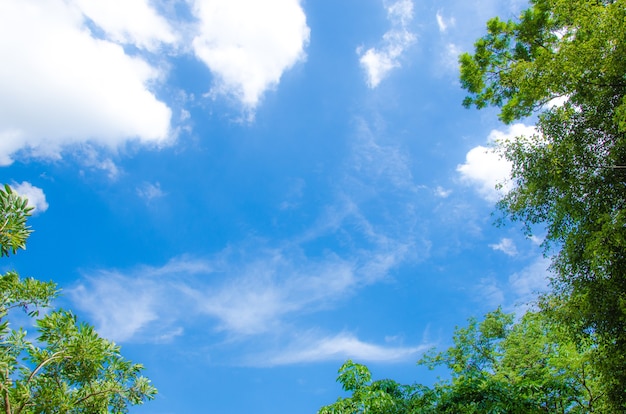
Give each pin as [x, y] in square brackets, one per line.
[13, 229]
[375, 397]
[67, 367]
[557, 48]
[570, 176]
[496, 366]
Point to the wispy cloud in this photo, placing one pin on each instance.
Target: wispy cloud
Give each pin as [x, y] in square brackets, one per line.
[490, 291]
[248, 44]
[309, 348]
[139, 24]
[35, 195]
[506, 246]
[245, 292]
[442, 192]
[443, 22]
[150, 191]
[140, 304]
[530, 281]
[519, 291]
[379, 61]
[259, 289]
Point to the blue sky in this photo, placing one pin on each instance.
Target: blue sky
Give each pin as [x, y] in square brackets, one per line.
[244, 194]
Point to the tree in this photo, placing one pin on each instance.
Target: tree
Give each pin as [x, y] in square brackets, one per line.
[571, 175]
[376, 397]
[532, 366]
[67, 367]
[496, 366]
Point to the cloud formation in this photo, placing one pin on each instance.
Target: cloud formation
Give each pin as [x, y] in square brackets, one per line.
[248, 44]
[531, 280]
[444, 23]
[261, 290]
[506, 246]
[61, 85]
[139, 24]
[88, 72]
[486, 170]
[379, 61]
[340, 347]
[149, 191]
[35, 195]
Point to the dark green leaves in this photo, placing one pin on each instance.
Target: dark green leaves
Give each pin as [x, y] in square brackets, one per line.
[571, 176]
[557, 48]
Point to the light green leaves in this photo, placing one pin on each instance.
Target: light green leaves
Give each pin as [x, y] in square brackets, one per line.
[13, 229]
[67, 367]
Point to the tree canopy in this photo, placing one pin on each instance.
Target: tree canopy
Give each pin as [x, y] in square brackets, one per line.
[66, 367]
[571, 176]
[496, 366]
[564, 63]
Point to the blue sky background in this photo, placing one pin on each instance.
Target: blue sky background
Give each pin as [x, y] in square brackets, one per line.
[244, 193]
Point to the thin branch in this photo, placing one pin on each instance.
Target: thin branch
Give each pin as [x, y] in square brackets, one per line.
[42, 363]
[5, 391]
[93, 394]
[35, 371]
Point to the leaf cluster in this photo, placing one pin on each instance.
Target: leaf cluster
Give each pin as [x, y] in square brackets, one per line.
[556, 49]
[496, 366]
[571, 176]
[66, 367]
[14, 211]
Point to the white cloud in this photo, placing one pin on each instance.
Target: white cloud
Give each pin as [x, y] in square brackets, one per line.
[340, 347]
[129, 21]
[149, 191]
[444, 23]
[61, 86]
[485, 169]
[506, 246]
[442, 192]
[450, 58]
[531, 280]
[88, 156]
[143, 304]
[490, 292]
[378, 62]
[35, 195]
[121, 307]
[249, 44]
[245, 293]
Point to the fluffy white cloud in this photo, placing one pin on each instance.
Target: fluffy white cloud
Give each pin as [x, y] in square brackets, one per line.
[35, 195]
[129, 21]
[506, 246]
[61, 86]
[486, 170]
[248, 44]
[379, 61]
